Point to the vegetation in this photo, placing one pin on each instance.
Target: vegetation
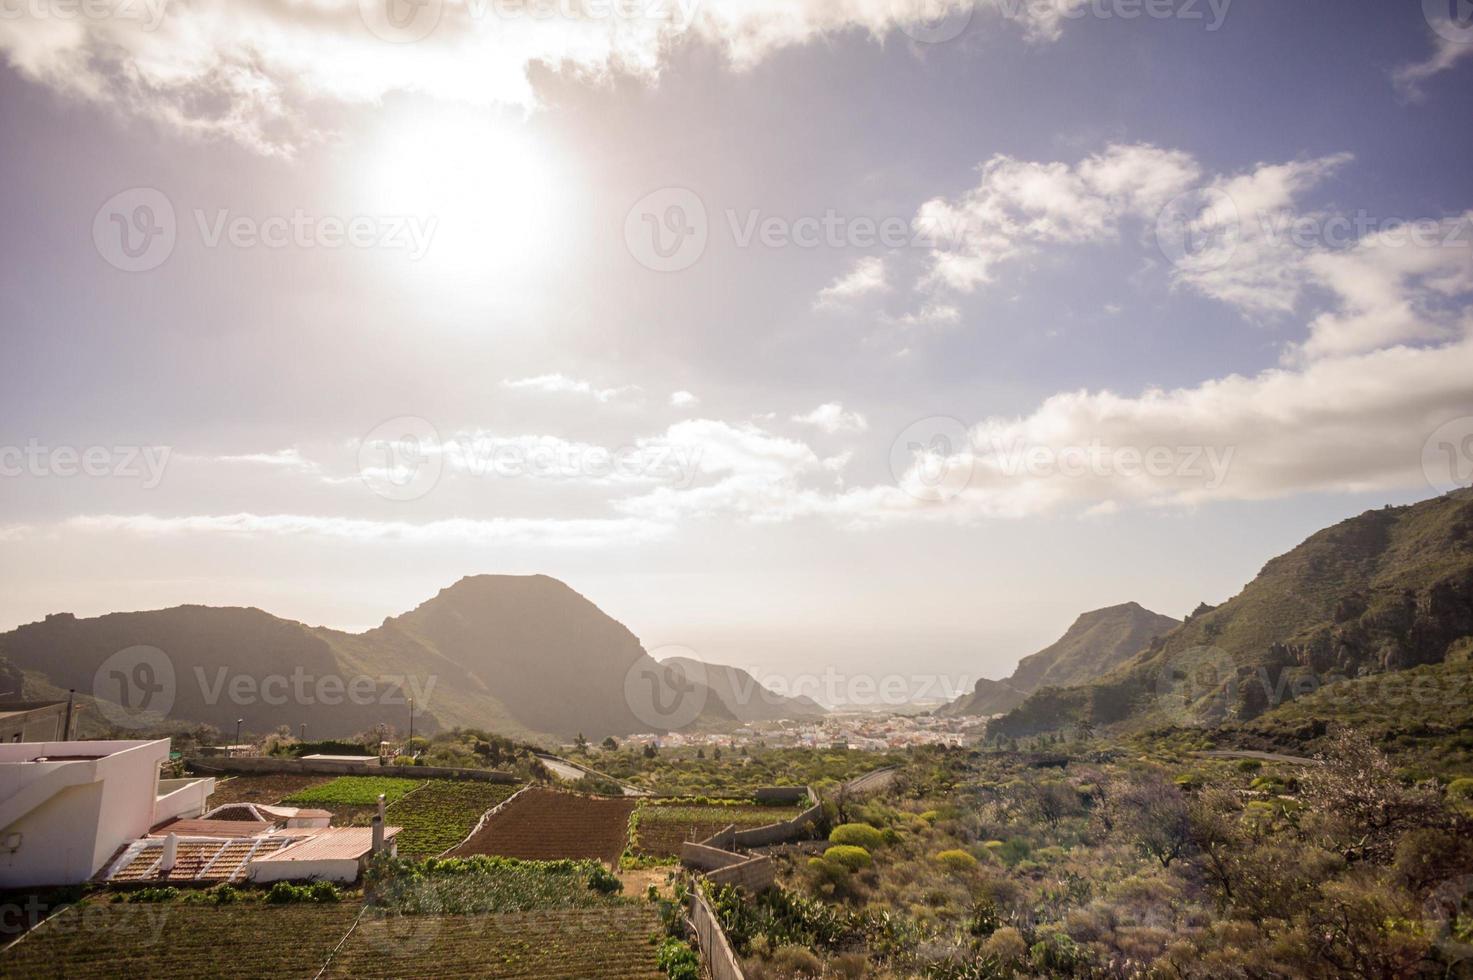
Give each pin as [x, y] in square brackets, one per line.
[658, 827]
[442, 812]
[481, 884]
[681, 772]
[354, 791]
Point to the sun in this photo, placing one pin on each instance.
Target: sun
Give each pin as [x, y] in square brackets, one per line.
[489, 187]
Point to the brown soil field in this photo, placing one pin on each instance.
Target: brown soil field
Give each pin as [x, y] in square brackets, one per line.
[542, 824]
[602, 943]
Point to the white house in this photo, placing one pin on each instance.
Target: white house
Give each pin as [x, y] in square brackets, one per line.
[67, 807]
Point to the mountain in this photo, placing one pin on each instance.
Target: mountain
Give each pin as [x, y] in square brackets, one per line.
[1383, 592]
[743, 696]
[525, 656]
[1097, 643]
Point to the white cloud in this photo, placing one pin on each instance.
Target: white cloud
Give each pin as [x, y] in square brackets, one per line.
[682, 399]
[499, 531]
[865, 277]
[931, 314]
[1446, 53]
[562, 384]
[255, 70]
[831, 417]
[1018, 206]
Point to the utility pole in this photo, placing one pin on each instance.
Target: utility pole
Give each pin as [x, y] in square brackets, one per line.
[236, 743]
[409, 746]
[304, 731]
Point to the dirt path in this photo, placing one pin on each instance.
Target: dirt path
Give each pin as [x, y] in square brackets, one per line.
[1291, 760]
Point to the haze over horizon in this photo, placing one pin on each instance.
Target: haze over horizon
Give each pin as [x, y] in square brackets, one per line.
[342, 317]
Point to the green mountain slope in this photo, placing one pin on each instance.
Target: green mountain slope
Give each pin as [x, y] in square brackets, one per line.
[1096, 643]
[1385, 591]
[525, 656]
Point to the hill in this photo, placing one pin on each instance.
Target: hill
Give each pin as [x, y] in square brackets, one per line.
[1385, 591]
[1097, 643]
[746, 698]
[525, 656]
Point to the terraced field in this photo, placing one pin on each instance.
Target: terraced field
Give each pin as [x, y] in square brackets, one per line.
[440, 813]
[268, 789]
[611, 942]
[184, 941]
[658, 829]
[542, 824]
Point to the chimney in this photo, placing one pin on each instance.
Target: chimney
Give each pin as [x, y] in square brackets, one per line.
[171, 854]
[378, 826]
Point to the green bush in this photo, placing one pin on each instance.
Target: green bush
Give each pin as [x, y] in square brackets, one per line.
[857, 834]
[604, 881]
[956, 860]
[678, 960]
[850, 856]
[1460, 793]
[285, 893]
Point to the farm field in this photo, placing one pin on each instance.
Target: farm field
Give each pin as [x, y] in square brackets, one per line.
[657, 829]
[606, 942]
[681, 772]
[173, 939]
[441, 812]
[352, 800]
[270, 788]
[543, 824]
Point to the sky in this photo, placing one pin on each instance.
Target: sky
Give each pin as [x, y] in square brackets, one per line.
[825, 338]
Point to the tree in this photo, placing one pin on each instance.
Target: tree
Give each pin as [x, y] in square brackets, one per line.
[1152, 812]
[580, 744]
[610, 744]
[700, 753]
[1361, 804]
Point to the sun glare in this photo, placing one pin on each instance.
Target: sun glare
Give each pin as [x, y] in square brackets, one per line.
[487, 185]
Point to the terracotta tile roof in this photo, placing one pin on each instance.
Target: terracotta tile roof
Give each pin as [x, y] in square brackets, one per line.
[333, 843]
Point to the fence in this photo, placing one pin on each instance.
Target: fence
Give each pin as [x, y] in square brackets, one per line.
[261, 765]
[716, 950]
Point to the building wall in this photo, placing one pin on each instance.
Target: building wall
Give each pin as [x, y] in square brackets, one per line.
[84, 810]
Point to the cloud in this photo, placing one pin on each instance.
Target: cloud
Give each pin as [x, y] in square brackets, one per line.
[256, 70]
[1018, 206]
[866, 277]
[831, 417]
[682, 399]
[931, 314]
[498, 531]
[1452, 44]
[562, 384]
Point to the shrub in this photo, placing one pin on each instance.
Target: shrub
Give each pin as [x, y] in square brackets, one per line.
[604, 881]
[956, 860]
[1006, 946]
[857, 834]
[678, 960]
[285, 893]
[797, 961]
[849, 856]
[1460, 793]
